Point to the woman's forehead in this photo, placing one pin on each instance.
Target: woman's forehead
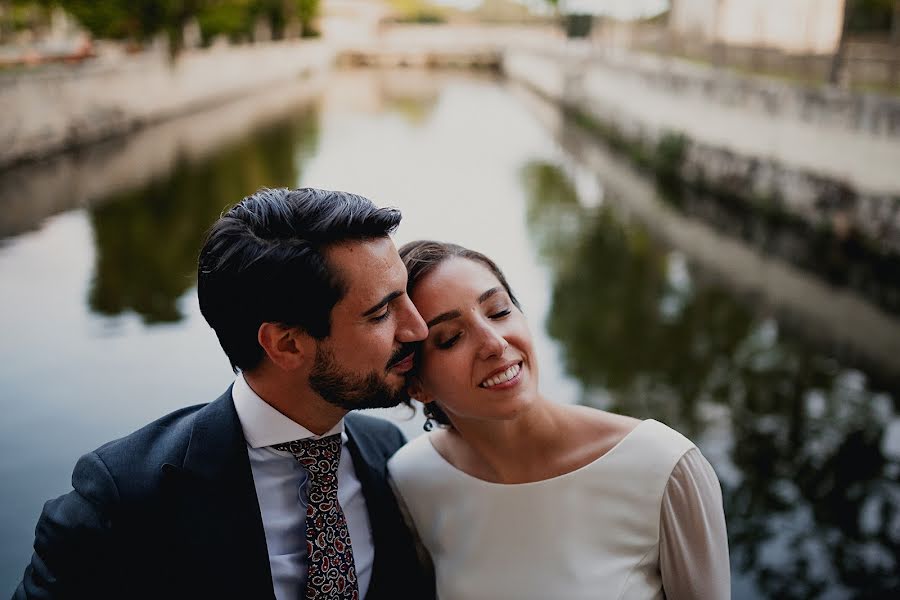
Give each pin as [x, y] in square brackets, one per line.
[453, 282]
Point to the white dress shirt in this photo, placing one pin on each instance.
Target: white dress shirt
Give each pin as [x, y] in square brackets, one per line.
[280, 483]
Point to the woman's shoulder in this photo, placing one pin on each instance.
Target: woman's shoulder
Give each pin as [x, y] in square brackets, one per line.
[416, 454]
[638, 442]
[419, 474]
[660, 437]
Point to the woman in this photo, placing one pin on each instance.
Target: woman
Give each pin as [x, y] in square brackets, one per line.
[519, 497]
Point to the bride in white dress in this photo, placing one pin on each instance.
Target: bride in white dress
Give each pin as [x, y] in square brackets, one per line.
[517, 497]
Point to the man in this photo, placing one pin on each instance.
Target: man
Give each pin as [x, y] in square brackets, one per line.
[273, 490]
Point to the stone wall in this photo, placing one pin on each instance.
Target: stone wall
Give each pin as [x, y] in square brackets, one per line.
[63, 107]
[33, 191]
[819, 166]
[869, 63]
[834, 317]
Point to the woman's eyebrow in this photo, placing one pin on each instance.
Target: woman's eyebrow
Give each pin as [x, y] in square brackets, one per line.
[455, 314]
[489, 293]
[450, 314]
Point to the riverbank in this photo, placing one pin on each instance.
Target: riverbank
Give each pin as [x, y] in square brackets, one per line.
[106, 170]
[851, 317]
[826, 170]
[822, 156]
[65, 107]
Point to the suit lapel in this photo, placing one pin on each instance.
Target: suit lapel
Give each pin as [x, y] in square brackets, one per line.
[373, 483]
[213, 499]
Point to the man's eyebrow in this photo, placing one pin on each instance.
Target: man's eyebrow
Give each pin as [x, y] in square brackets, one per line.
[384, 301]
[452, 314]
[489, 293]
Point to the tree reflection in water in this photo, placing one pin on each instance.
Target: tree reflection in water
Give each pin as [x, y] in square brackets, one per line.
[147, 240]
[811, 495]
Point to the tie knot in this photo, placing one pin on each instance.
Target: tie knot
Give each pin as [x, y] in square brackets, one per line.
[320, 457]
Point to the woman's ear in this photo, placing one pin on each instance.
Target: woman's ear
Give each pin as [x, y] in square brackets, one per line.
[415, 390]
[286, 347]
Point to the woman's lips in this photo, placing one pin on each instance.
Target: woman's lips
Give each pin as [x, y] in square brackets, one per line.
[514, 372]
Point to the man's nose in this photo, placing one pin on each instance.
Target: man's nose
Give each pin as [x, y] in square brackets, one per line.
[412, 328]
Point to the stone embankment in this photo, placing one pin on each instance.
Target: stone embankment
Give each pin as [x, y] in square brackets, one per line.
[64, 107]
[33, 191]
[833, 164]
[841, 317]
[826, 157]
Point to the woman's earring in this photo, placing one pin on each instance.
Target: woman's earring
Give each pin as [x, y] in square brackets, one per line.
[429, 418]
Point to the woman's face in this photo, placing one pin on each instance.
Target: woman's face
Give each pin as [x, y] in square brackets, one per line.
[478, 360]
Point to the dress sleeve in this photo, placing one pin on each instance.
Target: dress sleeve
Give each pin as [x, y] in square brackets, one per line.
[693, 547]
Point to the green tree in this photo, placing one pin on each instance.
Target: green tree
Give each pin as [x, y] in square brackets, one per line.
[865, 16]
[147, 239]
[137, 20]
[140, 20]
[306, 11]
[18, 15]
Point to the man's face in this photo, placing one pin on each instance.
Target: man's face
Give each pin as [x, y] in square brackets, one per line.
[363, 362]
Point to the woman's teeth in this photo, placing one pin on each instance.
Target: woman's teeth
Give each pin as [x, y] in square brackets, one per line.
[502, 377]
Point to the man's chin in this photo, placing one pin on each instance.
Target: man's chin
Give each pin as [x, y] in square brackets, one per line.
[387, 399]
[373, 397]
[353, 392]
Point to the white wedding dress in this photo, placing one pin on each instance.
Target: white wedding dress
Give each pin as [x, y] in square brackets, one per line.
[643, 521]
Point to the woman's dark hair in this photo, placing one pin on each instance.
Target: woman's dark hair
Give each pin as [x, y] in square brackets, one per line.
[263, 262]
[421, 258]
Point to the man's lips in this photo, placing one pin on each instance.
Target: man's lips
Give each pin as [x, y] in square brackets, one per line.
[404, 365]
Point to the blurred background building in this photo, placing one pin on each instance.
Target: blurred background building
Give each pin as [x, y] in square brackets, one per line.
[797, 26]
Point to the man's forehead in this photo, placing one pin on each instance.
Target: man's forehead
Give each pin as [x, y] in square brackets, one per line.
[368, 268]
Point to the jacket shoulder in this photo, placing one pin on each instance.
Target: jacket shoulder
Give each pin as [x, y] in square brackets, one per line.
[155, 443]
[374, 434]
[134, 462]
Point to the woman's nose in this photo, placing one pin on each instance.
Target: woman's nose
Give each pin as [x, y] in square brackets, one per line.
[492, 343]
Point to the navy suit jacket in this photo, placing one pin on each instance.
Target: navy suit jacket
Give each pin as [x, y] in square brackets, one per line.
[170, 511]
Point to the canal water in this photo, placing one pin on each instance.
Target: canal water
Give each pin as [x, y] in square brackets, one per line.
[774, 349]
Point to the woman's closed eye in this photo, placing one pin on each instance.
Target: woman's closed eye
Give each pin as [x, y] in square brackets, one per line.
[445, 343]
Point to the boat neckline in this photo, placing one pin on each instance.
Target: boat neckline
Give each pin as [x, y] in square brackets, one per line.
[559, 477]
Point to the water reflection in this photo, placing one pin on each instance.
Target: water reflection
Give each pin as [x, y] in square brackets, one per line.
[844, 260]
[160, 226]
[116, 168]
[811, 494]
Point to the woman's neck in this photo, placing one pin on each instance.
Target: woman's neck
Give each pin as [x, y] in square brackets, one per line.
[508, 451]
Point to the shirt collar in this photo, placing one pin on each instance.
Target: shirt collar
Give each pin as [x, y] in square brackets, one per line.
[265, 426]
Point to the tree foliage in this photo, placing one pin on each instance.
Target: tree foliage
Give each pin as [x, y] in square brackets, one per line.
[140, 20]
[866, 16]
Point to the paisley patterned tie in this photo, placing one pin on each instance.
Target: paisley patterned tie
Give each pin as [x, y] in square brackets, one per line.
[331, 574]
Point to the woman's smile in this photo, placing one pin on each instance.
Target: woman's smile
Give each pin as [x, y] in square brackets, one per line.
[503, 378]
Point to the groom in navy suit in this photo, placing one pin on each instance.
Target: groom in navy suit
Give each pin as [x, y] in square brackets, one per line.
[275, 489]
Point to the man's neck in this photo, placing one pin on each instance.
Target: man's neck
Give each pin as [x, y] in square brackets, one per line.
[296, 402]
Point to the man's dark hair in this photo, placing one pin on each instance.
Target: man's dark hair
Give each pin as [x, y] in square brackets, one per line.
[263, 262]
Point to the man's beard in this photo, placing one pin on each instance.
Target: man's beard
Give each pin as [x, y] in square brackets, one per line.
[348, 390]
